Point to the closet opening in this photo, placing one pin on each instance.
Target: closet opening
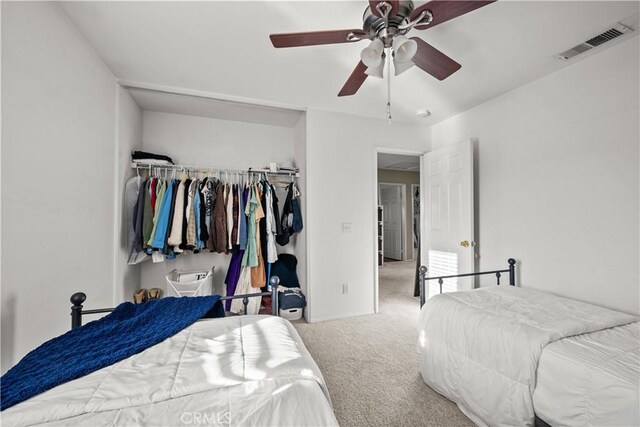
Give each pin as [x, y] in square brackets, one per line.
[228, 154]
[397, 220]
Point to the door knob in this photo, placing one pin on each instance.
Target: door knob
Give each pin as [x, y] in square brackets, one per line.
[464, 243]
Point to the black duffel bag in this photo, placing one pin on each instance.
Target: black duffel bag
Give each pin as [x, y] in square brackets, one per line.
[291, 298]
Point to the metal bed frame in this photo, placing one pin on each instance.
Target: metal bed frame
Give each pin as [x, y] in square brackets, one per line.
[80, 297]
[511, 269]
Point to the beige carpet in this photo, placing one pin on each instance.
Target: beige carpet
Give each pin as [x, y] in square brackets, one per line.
[370, 363]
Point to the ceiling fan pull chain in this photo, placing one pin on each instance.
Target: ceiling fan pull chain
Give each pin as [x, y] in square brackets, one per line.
[389, 84]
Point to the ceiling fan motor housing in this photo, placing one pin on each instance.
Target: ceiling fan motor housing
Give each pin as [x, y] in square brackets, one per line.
[374, 25]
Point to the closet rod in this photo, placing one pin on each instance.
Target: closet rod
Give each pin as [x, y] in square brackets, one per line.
[191, 168]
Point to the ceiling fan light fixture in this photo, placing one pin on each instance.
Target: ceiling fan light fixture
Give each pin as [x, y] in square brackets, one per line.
[403, 51]
[372, 55]
[376, 71]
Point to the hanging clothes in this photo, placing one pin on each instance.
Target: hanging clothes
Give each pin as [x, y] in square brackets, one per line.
[291, 220]
[244, 287]
[296, 223]
[153, 193]
[262, 226]
[175, 237]
[197, 244]
[228, 201]
[209, 194]
[185, 213]
[240, 214]
[139, 216]
[272, 251]
[160, 192]
[243, 218]
[250, 258]
[276, 213]
[233, 274]
[234, 215]
[166, 217]
[258, 272]
[218, 235]
[132, 193]
[164, 213]
[204, 222]
[190, 243]
[147, 217]
[168, 249]
[286, 219]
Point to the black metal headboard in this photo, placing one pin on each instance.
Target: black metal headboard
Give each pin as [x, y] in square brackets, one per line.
[80, 297]
[511, 269]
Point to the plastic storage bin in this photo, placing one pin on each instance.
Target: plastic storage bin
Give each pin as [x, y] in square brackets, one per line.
[189, 283]
[291, 313]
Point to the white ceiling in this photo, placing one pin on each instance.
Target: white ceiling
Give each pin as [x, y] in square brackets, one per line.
[222, 47]
[399, 162]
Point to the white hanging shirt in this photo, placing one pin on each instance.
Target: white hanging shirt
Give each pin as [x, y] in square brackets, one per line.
[272, 251]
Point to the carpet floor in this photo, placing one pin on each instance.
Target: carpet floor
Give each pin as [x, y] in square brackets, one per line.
[370, 363]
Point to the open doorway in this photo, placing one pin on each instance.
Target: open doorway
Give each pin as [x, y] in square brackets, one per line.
[393, 207]
[398, 226]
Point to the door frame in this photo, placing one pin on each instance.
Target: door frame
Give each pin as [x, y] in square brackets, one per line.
[413, 219]
[374, 210]
[403, 216]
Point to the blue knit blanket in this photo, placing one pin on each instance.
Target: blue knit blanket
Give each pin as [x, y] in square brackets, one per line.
[128, 330]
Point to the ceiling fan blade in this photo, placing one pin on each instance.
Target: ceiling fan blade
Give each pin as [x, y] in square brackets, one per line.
[444, 11]
[355, 80]
[375, 11]
[434, 62]
[313, 38]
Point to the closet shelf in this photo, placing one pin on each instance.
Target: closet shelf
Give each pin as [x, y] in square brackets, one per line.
[190, 168]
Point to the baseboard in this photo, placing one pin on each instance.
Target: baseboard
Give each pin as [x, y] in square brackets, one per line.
[338, 317]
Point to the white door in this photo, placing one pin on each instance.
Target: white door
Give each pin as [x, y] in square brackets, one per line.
[392, 203]
[449, 244]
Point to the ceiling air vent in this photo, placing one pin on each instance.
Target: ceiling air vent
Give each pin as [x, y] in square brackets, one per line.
[612, 33]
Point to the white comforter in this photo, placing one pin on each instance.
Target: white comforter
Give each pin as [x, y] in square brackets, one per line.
[244, 370]
[591, 379]
[481, 348]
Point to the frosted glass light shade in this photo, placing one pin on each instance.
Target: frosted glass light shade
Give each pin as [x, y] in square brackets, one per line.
[371, 56]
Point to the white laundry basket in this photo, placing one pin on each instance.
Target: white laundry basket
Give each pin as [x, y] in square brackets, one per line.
[189, 283]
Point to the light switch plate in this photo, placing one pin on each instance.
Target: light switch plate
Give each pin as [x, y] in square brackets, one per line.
[346, 227]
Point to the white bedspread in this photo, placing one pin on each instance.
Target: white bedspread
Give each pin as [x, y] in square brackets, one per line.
[591, 379]
[244, 370]
[481, 348]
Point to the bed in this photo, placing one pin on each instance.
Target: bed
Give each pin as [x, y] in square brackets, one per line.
[513, 356]
[240, 370]
[608, 396]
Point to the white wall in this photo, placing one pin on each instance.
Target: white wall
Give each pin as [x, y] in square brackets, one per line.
[557, 178]
[129, 129]
[341, 188]
[205, 141]
[58, 134]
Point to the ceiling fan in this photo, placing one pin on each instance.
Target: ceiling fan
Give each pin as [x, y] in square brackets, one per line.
[386, 23]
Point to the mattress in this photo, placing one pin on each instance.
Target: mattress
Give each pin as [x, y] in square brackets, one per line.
[243, 370]
[591, 379]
